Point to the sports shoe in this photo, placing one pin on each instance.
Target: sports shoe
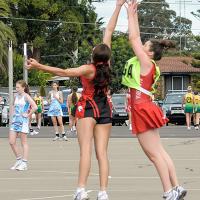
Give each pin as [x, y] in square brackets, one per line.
[81, 195]
[130, 127]
[65, 138]
[196, 128]
[30, 130]
[56, 138]
[171, 195]
[127, 122]
[181, 192]
[74, 128]
[17, 163]
[22, 166]
[102, 195]
[189, 128]
[34, 132]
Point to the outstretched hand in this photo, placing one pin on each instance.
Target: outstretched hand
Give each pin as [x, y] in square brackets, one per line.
[32, 63]
[131, 6]
[120, 2]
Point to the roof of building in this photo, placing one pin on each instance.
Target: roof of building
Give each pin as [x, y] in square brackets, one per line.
[177, 65]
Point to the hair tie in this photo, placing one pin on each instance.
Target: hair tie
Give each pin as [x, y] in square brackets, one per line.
[101, 63]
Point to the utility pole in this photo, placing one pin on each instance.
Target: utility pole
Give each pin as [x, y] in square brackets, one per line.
[10, 75]
[25, 71]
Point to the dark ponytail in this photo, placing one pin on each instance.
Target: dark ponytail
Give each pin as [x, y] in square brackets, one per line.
[101, 56]
[157, 46]
[74, 95]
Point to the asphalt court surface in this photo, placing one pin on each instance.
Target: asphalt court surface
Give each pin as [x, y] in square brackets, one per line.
[53, 168]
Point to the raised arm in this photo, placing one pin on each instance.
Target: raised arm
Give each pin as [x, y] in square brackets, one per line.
[72, 72]
[112, 23]
[134, 36]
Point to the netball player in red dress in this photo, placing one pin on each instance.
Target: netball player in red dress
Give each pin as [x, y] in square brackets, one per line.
[93, 109]
[146, 116]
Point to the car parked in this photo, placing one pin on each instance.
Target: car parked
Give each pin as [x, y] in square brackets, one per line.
[3, 107]
[172, 107]
[119, 113]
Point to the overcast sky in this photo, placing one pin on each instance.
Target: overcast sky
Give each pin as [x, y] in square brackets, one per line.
[105, 10]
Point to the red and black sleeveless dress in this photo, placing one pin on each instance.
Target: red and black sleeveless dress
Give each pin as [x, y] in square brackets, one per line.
[92, 105]
[146, 115]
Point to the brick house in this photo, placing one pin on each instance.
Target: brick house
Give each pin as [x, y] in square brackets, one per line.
[176, 74]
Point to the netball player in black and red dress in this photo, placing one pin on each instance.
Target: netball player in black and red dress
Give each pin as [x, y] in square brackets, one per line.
[93, 109]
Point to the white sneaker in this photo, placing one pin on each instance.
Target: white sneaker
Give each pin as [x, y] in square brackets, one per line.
[22, 166]
[189, 128]
[17, 163]
[196, 128]
[181, 192]
[81, 195]
[34, 132]
[130, 127]
[74, 128]
[56, 138]
[127, 122]
[102, 196]
[65, 138]
[171, 195]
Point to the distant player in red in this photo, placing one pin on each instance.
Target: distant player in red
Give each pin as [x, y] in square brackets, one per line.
[141, 74]
[93, 109]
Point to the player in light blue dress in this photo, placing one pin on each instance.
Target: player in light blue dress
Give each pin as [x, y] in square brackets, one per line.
[24, 106]
[55, 109]
[55, 98]
[20, 124]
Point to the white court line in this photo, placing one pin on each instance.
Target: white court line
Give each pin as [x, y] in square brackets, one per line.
[59, 172]
[51, 197]
[116, 160]
[93, 177]
[131, 190]
[149, 177]
[178, 159]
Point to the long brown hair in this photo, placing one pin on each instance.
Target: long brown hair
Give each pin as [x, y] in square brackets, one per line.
[24, 85]
[57, 83]
[101, 56]
[74, 95]
[157, 47]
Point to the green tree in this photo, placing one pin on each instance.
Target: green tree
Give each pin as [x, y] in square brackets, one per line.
[196, 54]
[159, 22]
[6, 34]
[121, 52]
[56, 40]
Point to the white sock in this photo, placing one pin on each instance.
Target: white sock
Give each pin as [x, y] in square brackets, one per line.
[19, 158]
[102, 192]
[168, 191]
[79, 189]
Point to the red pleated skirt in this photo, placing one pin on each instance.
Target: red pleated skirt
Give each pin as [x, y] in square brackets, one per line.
[146, 116]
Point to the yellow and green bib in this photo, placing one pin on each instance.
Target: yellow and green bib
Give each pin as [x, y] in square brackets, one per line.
[189, 103]
[196, 103]
[131, 76]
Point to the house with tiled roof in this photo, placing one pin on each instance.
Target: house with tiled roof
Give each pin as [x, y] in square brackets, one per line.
[176, 73]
